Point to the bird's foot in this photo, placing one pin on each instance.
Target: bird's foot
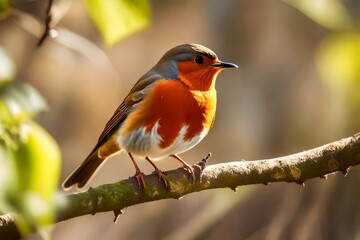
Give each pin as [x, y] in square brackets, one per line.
[190, 169]
[162, 178]
[200, 166]
[199, 169]
[159, 173]
[139, 176]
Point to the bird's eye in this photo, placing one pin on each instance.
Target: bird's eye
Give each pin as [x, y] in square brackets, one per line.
[199, 60]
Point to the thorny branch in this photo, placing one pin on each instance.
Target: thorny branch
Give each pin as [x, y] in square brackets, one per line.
[318, 162]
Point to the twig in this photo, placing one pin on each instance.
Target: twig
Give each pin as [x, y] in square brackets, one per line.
[48, 19]
[8, 229]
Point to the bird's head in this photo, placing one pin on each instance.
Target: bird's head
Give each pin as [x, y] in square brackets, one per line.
[193, 64]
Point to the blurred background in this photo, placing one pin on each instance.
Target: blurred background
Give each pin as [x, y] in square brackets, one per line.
[297, 87]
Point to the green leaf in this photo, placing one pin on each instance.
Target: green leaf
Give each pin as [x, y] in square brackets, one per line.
[38, 160]
[29, 159]
[34, 168]
[7, 69]
[22, 100]
[4, 7]
[117, 19]
[331, 14]
[338, 61]
[7, 177]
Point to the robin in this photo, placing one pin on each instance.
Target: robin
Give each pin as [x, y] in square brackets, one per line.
[168, 111]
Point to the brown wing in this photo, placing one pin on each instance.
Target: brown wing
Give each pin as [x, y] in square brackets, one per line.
[135, 96]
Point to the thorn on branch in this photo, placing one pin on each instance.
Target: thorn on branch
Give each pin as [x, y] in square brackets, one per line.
[301, 183]
[200, 166]
[207, 157]
[233, 188]
[48, 19]
[117, 213]
[345, 171]
[325, 177]
[203, 162]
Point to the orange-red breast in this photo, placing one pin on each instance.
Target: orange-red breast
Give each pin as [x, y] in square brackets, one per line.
[168, 111]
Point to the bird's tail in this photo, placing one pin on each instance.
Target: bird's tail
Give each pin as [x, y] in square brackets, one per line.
[84, 172]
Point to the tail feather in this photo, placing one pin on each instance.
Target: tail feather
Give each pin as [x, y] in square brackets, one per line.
[84, 172]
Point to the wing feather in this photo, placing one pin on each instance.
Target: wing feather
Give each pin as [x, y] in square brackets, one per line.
[135, 96]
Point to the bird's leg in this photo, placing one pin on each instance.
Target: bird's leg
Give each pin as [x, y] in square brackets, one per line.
[159, 173]
[187, 167]
[139, 176]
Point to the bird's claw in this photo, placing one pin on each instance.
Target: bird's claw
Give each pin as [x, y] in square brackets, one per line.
[139, 176]
[200, 166]
[162, 178]
[190, 169]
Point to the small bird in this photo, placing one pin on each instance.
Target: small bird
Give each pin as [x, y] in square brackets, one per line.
[169, 110]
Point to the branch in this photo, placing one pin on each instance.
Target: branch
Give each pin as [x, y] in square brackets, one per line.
[318, 162]
[48, 19]
[8, 229]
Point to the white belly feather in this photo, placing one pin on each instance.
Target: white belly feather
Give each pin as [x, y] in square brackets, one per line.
[143, 143]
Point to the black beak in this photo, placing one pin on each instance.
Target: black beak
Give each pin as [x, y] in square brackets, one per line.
[225, 65]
